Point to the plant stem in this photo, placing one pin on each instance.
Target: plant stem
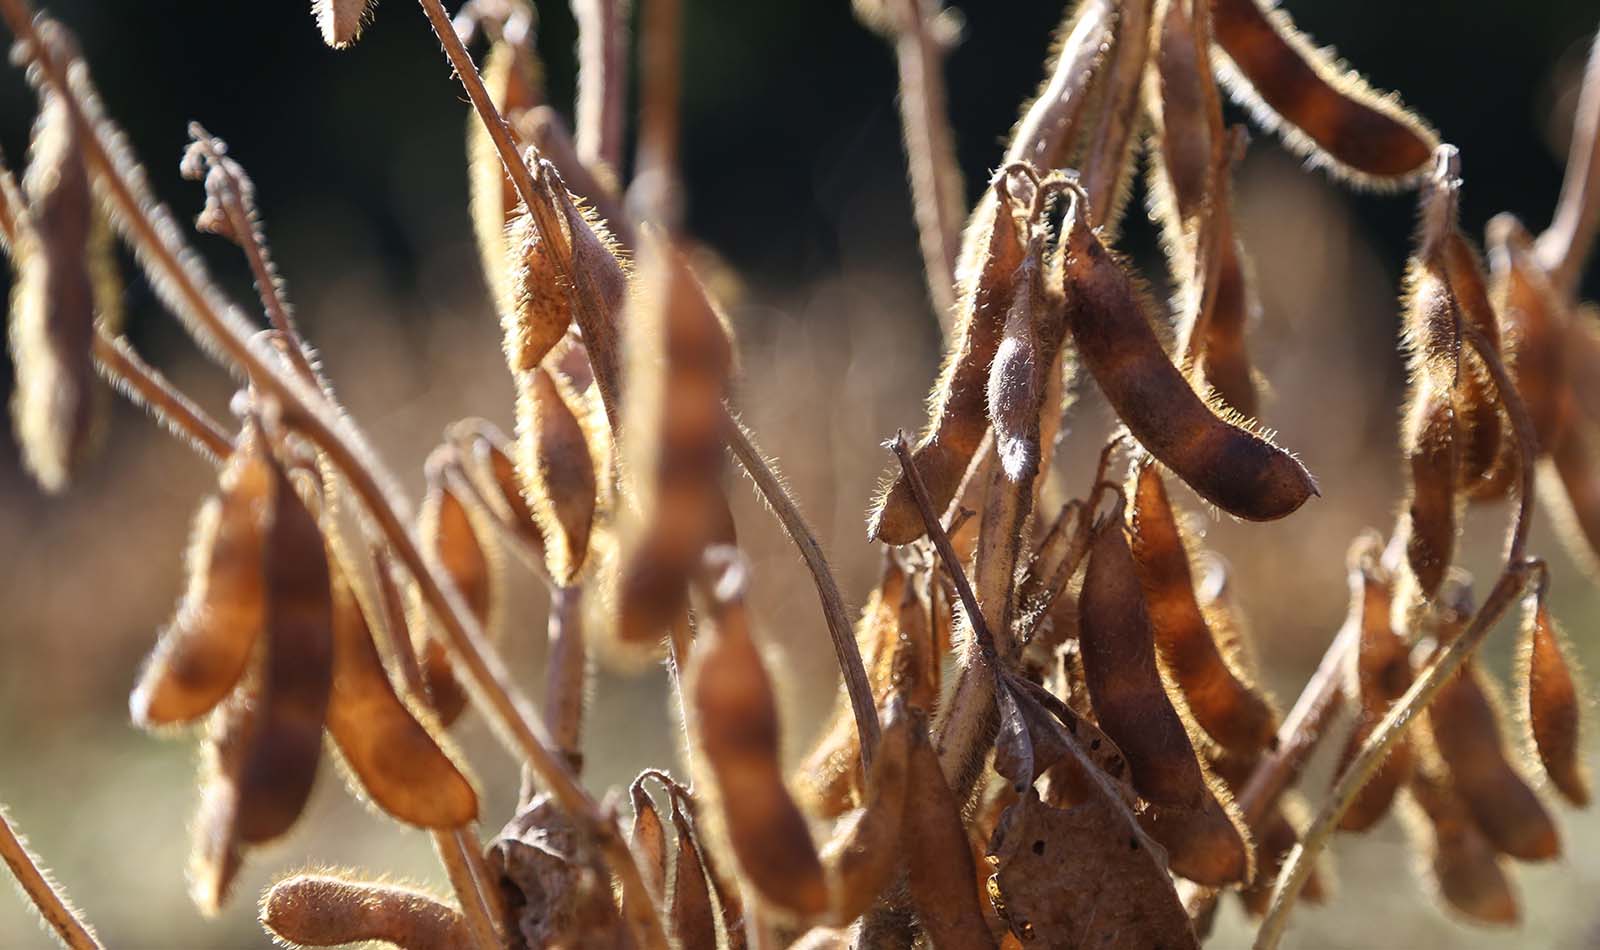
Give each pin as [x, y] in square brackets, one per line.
[144, 386]
[51, 904]
[1564, 246]
[602, 79]
[845, 648]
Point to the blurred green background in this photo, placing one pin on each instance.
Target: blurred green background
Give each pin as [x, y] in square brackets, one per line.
[795, 176]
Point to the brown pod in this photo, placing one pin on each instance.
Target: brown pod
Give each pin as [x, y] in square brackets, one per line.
[693, 918]
[1208, 845]
[296, 673]
[1229, 466]
[1383, 674]
[53, 305]
[558, 470]
[1573, 494]
[503, 489]
[1016, 377]
[1185, 108]
[1225, 361]
[1465, 719]
[1432, 459]
[513, 79]
[1219, 699]
[397, 759]
[958, 417]
[327, 910]
[451, 539]
[862, 857]
[1534, 329]
[341, 20]
[1461, 863]
[1483, 435]
[216, 854]
[1125, 688]
[680, 359]
[1324, 110]
[939, 866]
[210, 642]
[648, 841]
[736, 721]
[1548, 696]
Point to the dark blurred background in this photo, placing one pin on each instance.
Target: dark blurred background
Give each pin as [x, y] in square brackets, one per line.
[794, 168]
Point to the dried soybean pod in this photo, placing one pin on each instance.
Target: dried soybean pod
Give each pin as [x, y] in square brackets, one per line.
[1432, 458]
[1534, 328]
[330, 910]
[679, 361]
[1382, 675]
[736, 721]
[513, 79]
[864, 854]
[393, 753]
[1571, 487]
[1219, 699]
[1125, 688]
[1462, 865]
[649, 839]
[450, 538]
[1483, 435]
[53, 304]
[1229, 466]
[296, 672]
[1107, 162]
[491, 452]
[1323, 110]
[1016, 377]
[558, 471]
[1185, 109]
[216, 853]
[939, 865]
[1548, 698]
[957, 419]
[341, 20]
[1465, 719]
[694, 920]
[205, 651]
[542, 304]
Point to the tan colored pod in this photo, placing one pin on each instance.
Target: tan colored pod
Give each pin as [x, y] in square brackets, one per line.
[1219, 698]
[210, 643]
[864, 854]
[1466, 721]
[329, 910]
[1534, 327]
[1549, 699]
[216, 853]
[736, 722]
[1124, 682]
[648, 840]
[513, 78]
[1462, 865]
[394, 754]
[1324, 110]
[1430, 522]
[341, 20]
[693, 918]
[1207, 845]
[559, 472]
[1382, 676]
[451, 538]
[1229, 466]
[939, 865]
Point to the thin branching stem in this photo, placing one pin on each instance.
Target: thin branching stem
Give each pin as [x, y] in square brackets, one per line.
[144, 386]
[49, 901]
[840, 632]
[1513, 579]
[660, 88]
[1564, 246]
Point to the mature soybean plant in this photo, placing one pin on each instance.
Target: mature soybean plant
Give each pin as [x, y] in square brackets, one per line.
[1050, 732]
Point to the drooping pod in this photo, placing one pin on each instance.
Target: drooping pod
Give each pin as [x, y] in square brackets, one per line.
[862, 857]
[680, 358]
[1324, 110]
[1465, 720]
[939, 866]
[1207, 845]
[1229, 466]
[341, 20]
[400, 762]
[1534, 328]
[1276, 835]
[1382, 676]
[216, 853]
[1219, 698]
[1550, 701]
[736, 722]
[296, 672]
[648, 839]
[53, 303]
[331, 910]
[559, 473]
[514, 79]
[210, 643]
[1461, 864]
[692, 915]
[958, 417]
[1124, 682]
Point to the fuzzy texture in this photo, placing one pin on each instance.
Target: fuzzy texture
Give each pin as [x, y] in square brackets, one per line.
[329, 910]
[341, 20]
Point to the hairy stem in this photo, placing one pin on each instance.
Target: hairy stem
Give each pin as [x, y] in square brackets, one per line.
[144, 386]
[840, 632]
[602, 79]
[1564, 246]
[51, 903]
